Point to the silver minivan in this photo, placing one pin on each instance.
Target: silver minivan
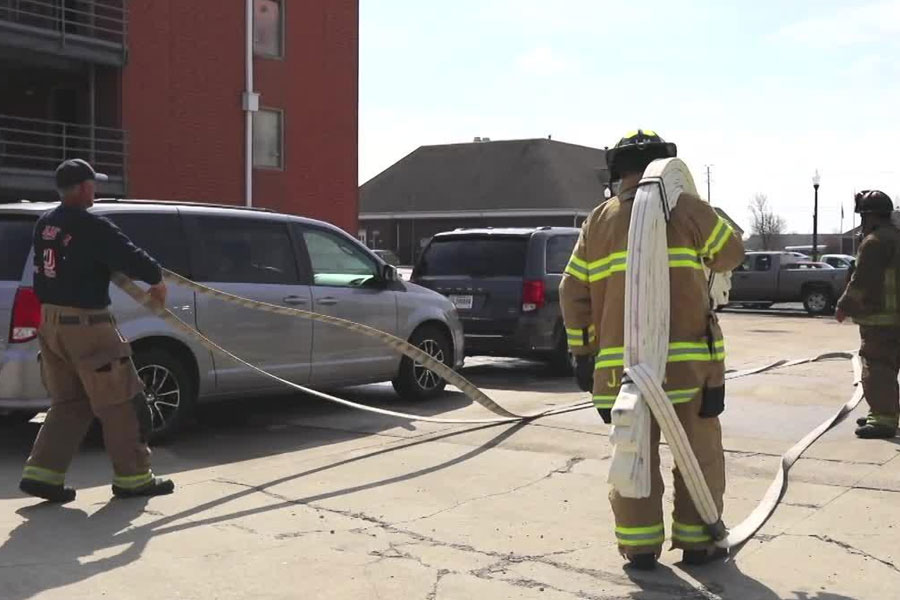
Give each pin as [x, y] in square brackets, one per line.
[258, 254]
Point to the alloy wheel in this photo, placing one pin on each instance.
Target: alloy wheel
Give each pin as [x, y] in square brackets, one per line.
[426, 379]
[163, 394]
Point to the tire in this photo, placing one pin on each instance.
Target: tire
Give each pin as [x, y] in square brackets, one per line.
[413, 381]
[167, 382]
[817, 301]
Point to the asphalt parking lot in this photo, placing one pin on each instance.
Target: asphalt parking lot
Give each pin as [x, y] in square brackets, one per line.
[284, 498]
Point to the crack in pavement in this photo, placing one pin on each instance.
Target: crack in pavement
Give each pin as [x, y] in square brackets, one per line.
[503, 559]
[564, 470]
[441, 573]
[766, 538]
[850, 549]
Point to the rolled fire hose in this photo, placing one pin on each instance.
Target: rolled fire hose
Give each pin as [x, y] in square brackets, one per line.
[738, 535]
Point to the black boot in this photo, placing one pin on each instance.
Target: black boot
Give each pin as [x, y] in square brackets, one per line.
[702, 557]
[876, 431]
[155, 487]
[862, 421]
[48, 491]
[642, 562]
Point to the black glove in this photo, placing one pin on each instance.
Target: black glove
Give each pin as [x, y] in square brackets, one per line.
[584, 372]
[605, 414]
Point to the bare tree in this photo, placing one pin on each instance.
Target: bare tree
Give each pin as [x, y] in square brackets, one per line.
[765, 223]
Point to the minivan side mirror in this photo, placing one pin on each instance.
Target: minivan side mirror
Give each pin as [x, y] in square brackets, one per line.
[389, 273]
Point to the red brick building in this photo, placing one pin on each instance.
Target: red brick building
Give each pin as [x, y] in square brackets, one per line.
[155, 93]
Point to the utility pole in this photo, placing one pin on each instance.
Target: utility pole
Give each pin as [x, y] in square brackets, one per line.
[709, 183]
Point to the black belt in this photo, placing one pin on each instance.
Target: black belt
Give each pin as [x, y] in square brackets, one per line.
[84, 320]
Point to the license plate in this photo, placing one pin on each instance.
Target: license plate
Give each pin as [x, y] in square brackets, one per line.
[462, 302]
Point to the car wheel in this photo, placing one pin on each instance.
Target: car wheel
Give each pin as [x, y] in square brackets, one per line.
[414, 381]
[817, 301]
[170, 391]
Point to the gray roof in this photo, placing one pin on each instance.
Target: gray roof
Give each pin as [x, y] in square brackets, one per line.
[501, 175]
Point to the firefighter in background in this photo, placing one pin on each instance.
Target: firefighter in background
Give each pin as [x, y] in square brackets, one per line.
[592, 295]
[871, 301]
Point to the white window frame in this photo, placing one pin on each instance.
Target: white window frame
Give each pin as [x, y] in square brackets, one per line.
[280, 166]
[281, 40]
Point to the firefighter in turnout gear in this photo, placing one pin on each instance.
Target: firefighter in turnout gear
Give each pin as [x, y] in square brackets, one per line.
[871, 301]
[592, 294]
[85, 362]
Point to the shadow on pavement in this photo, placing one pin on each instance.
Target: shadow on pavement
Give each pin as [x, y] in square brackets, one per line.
[239, 430]
[234, 431]
[721, 580]
[53, 548]
[47, 549]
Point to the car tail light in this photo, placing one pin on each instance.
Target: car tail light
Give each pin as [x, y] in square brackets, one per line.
[532, 295]
[26, 316]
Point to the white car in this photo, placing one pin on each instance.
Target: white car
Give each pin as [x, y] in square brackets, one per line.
[839, 261]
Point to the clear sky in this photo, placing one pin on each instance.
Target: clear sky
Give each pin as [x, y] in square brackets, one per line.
[765, 91]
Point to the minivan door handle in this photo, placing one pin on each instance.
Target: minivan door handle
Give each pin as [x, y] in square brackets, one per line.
[329, 301]
[293, 300]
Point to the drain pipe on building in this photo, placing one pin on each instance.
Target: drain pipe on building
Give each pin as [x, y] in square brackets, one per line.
[250, 106]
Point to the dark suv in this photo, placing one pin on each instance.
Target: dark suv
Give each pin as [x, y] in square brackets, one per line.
[505, 286]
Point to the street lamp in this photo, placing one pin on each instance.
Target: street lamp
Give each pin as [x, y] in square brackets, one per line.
[816, 180]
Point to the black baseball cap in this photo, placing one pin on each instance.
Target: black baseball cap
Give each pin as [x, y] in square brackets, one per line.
[75, 171]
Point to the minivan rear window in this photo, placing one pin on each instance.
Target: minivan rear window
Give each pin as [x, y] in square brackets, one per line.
[488, 256]
[15, 239]
[559, 250]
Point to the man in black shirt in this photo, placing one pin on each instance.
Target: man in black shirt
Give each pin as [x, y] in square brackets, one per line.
[85, 362]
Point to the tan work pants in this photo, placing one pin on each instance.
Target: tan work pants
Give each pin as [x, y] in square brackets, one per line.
[87, 369]
[880, 355]
[639, 521]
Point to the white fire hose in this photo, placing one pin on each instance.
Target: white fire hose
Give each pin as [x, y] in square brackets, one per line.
[738, 535]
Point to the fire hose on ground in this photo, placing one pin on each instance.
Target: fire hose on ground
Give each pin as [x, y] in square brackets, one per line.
[738, 535]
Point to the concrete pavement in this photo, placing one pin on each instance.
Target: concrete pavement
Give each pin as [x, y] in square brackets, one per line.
[291, 498]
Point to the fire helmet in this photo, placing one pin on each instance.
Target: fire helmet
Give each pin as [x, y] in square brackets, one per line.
[635, 151]
[873, 202]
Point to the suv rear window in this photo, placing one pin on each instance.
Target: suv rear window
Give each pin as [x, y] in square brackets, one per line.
[15, 239]
[559, 250]
[488, 256]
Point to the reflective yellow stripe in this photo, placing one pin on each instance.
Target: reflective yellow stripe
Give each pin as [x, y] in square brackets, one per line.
[696, 351]
[690, 533]
[574, 260]
[606, 266]
[577, 272]
[888, 420]
[43, 475]
[641, 536]
[132, 481]
[598, 270]
[576, 337]
[678, 352]
[604, 402]
[684, 257]
[682, 396]
[610, 357]
[717, 239]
